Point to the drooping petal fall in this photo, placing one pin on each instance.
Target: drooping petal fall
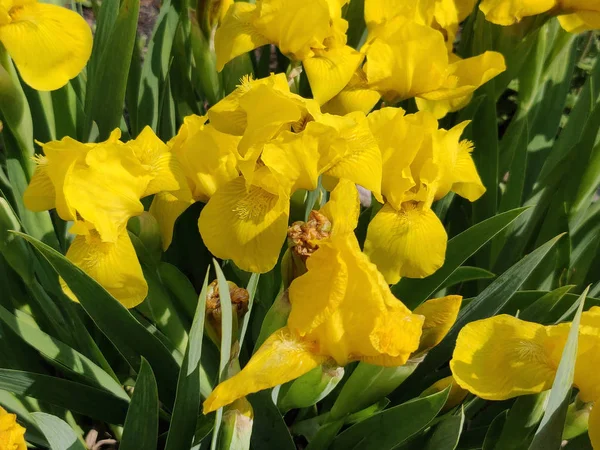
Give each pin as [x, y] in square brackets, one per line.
[282, 358]
[247, 225]
[410, 242]
[343, 208]
[49, 44]
[507, 12]
[114, 265]
[440, 314]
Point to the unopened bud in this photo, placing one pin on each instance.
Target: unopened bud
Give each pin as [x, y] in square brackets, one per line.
[310, 388]
[576, 423]
[239, 306]
[236, 427]
[210, 13]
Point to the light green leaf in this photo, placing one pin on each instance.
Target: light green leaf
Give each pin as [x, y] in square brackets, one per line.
[549, 434]
[187, 402]
[141, 425]
[251, 288]
[58, 433]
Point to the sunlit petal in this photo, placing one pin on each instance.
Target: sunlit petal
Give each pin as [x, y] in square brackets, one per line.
[440, 314]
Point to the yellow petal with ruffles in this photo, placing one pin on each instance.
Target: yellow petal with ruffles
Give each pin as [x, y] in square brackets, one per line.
[49, 44]
[407, 243]
[281, 358]
[114, 265]
[246, 225]
[12, 435]
[352, 98]
[594, 425]
[378, 12]
[237, 33]
[464, 76]
[329, 71]
[440, 314]
[343, 208]
[293, 158]
[106, 191]
[357, 317]
[166, 207]
[40, 195]
[503, 357]
[507, 12]
[206, 156]
[164, 169]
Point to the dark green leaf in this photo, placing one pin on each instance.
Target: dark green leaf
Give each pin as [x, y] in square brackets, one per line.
[522, 420]
[494, 431]
[269, 429]
[115, 321]
[392, 427]
[446, 434]
[466, 273]
[141, 425]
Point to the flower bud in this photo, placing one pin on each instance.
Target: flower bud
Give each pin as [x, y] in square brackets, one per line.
[310, 388]
[236, 426]
[210, 13]
[12, 247]
[239, 306]
[576, 423]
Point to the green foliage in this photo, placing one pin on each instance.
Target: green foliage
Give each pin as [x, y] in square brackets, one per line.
[529, 247]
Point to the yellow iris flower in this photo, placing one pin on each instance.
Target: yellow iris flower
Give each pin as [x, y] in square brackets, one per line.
[574, 15]
[285, 144]
[12, 435]
[503, 357]
[49, 44]
[342, 310]
[99, 187]
[310, 31]
[420, 164]
[408, 54]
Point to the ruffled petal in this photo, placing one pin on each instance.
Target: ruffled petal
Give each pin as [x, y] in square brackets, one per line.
[49, 44]
[467, 182]
[247, 226]
[164, 169]
[12, 435]
[330, 70]
[440, 314]
[166, 208]
[237, 33]
[507, 12]
[106, 191]
[343, 208]
[293, 158]
[406, 243]
[40, 194]
[503, 357]
[282, 358]
[112, 264]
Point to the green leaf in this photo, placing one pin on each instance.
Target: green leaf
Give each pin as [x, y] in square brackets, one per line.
[446, 434]
[413, 292]
[355, 15]
[488, 303]
[549, 433]
[107, 78]
[494, 431]
[325, 435]
[251, 288]
[58, 433]
[392, 427]
[522, 420]
[207, 77]
[226, 340]
[467, 273]
[115, 321]
[141, 424]
[187, 402]
[62, 354]
[155, 67]
[538, 310]
[77, 397]
[269, 429]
